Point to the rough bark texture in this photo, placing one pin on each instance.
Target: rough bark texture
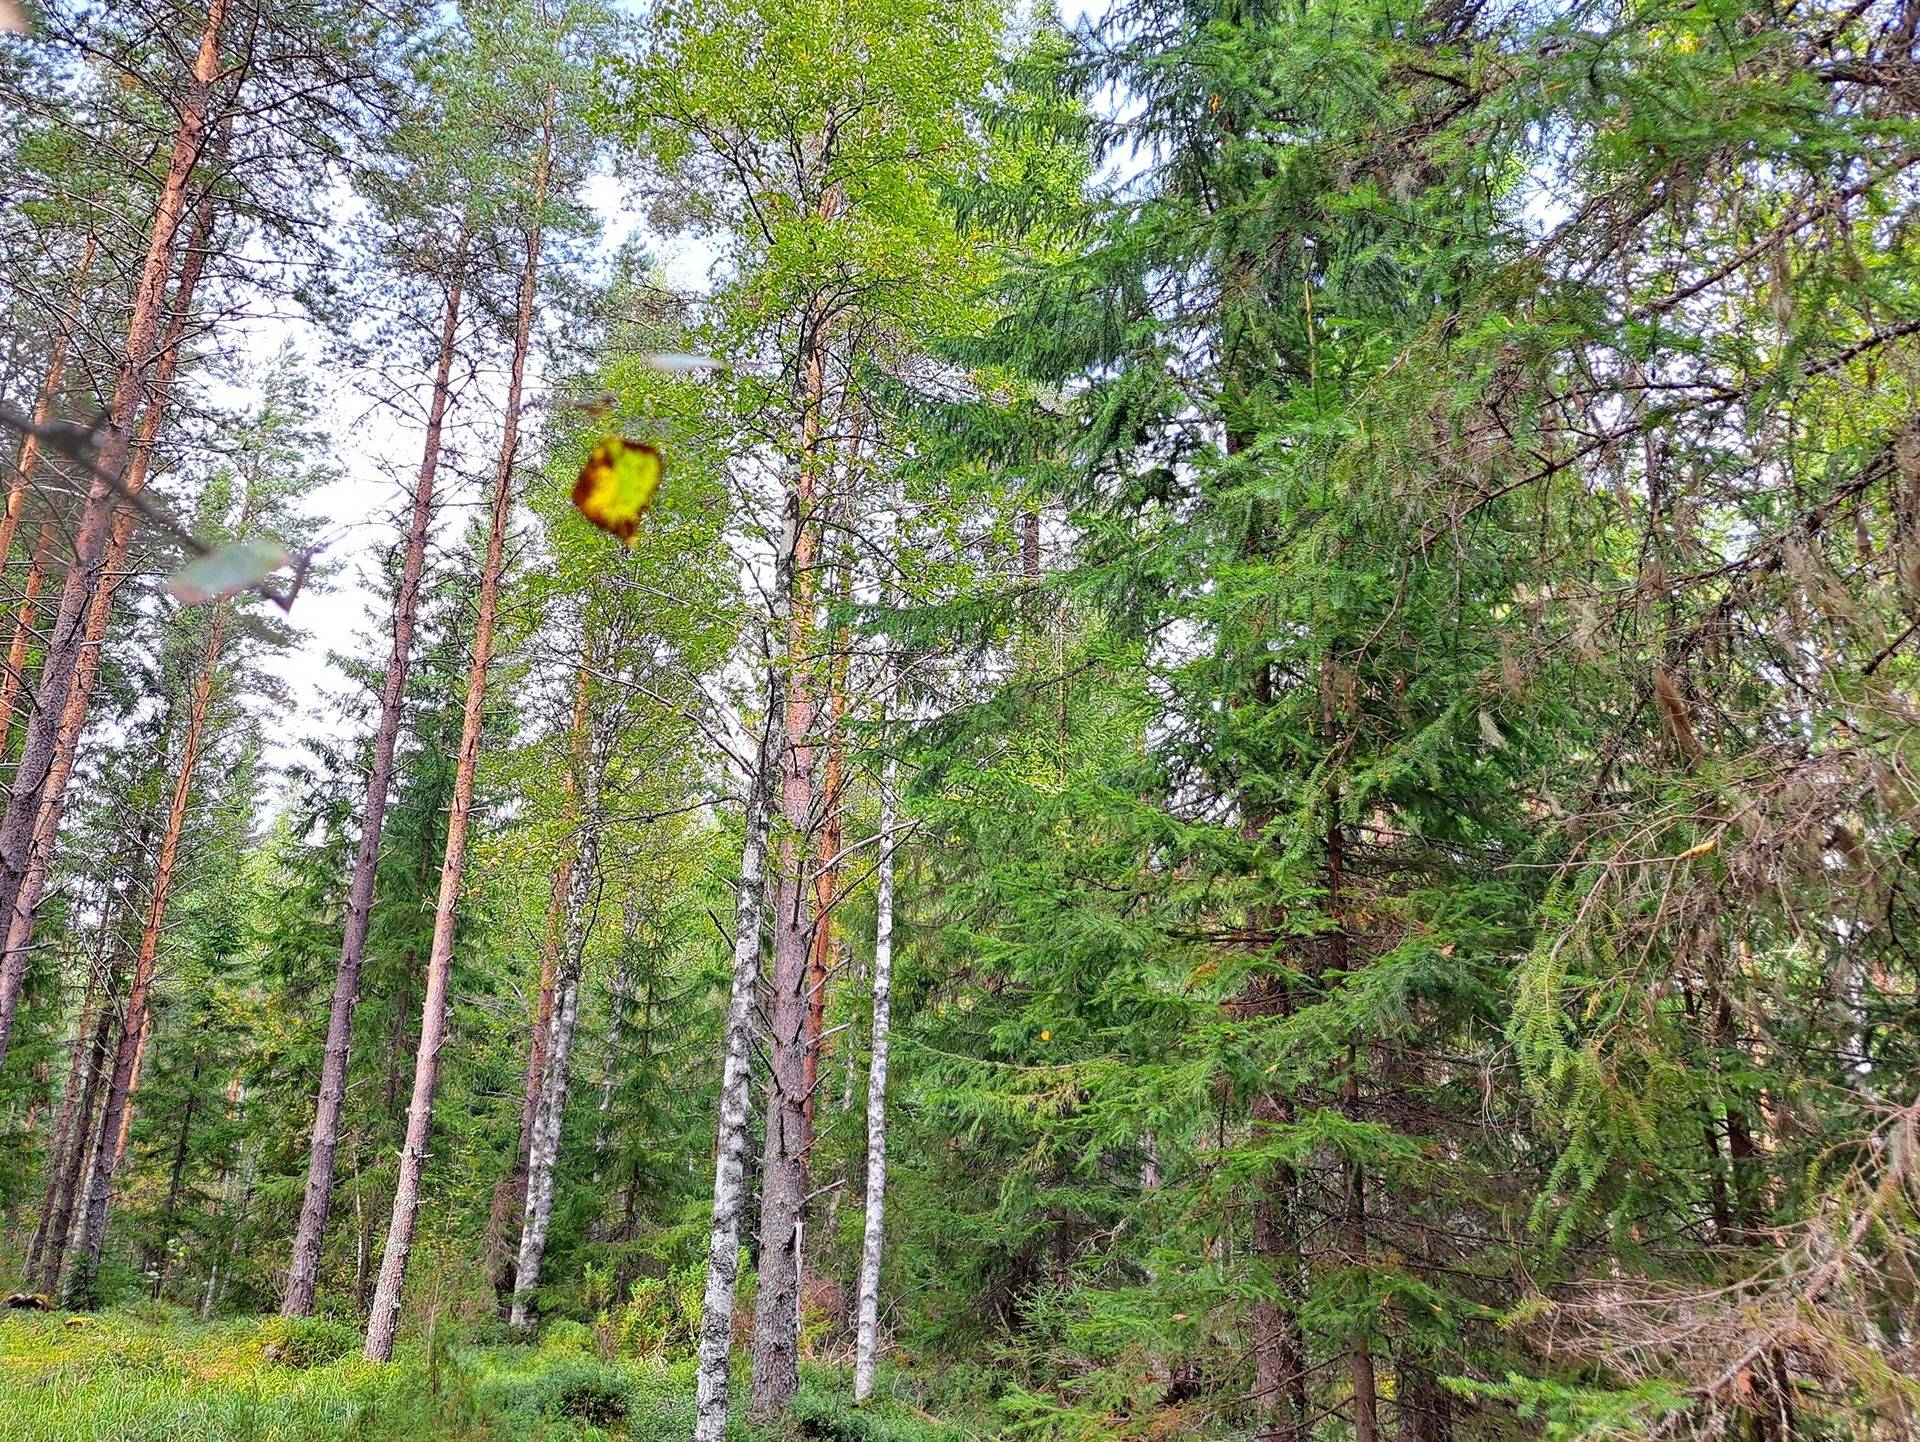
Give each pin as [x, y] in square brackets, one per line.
[99, 620]
[93, 1213]
[85, 1144]
[383, 1322]
[303, 1270]
[13, 679]
[64, 645]
[867, 1342]
[783, 1164]
[730, 1144]
[510, 1195]
[72, 653]
[90, 1039]
[545, 1151]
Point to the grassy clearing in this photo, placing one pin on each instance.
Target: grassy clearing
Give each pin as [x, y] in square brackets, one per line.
[146, 1375]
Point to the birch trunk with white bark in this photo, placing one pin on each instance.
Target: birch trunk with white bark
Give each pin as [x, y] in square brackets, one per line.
[867, 1343]
[712, 1379]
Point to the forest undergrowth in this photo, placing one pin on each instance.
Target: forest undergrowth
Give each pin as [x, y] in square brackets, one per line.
[155, 1372]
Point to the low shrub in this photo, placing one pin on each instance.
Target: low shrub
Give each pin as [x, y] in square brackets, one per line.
[571, 1387]
[829, 1415]
[562, 1334]
[303, 1342]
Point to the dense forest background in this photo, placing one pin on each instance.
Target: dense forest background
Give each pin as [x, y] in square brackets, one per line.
[1254, 775]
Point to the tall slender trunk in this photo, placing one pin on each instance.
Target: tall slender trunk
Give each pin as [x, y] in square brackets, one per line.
[712, 1379]
[86, 673]
[66, 1136]
[63, 1188]
[12, 679]
[545, 1152]
[510, 1194]
[867, 1343]
[783, 1171]
[176, 1182]
[125, 1131]
[223, 1184]
[1366, 1406]
[384, 1319]
[303, 1269]
[64, 640]
[47, 402]
[827, 869]
[93, 1214]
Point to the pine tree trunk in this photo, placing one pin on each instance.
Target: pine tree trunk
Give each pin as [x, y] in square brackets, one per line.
[303, 1268]
[86, 672]
[783, 1166]
[63, 646]
[826, 876]
[121, 1136]
[47, 402]
[384, 1318]
[66, 1136]
[730, 1193]
[73, 1162]
[14, 677]
[867, 1340]
[71, 657]
[93, 1214]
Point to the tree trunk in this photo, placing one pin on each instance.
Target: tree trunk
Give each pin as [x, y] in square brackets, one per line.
[87, 1141]
[384, 1319]
[783, 1169]
[303, 1269]
[545, 1151]
[1366, 1424]
[121, 1136]
[825, 888]
[73, 720]
[510, 1196]
[47, 403]
[867, 1343]
[712, 1379]
[176, 1180]
[65, 1137]
[93, 1215]
[14, 677]
[64, 641]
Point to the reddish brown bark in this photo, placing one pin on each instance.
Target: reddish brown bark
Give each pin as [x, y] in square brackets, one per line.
[64, 644]
[13, 678]
[93, 1215]
[784, 1172]
[46, 404]
[99, 619]
[827, 808]
[383, 1320]
[303, 1270]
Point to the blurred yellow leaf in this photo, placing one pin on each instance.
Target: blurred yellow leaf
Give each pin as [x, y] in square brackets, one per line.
[617, 484]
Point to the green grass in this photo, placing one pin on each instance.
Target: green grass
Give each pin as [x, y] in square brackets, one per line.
[152, 1374]
[127, 1377]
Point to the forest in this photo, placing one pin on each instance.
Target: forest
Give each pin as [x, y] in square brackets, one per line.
[926, 720]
